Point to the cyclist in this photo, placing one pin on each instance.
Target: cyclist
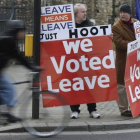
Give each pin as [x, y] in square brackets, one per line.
[9, 50]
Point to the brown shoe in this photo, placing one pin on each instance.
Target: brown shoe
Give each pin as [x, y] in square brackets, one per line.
[126, 114]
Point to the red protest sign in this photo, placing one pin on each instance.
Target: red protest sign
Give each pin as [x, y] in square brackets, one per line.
[132, 76]
[137, 29]
[81, 69]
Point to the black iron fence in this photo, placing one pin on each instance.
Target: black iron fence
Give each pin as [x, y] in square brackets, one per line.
[6, 13]
[22, 10]
[10, 10]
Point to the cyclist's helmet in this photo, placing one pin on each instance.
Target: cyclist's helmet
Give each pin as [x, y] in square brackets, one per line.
[14, 26]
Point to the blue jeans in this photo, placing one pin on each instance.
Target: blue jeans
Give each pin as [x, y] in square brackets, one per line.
[7, 91]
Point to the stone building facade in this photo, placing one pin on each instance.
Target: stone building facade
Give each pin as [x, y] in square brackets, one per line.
[103, 11]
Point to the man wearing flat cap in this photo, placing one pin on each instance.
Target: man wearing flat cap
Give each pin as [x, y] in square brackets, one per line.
[123, 33]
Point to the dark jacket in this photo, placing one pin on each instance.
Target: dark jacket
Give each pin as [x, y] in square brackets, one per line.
[9, 50]
[85, 23]
[122, 35]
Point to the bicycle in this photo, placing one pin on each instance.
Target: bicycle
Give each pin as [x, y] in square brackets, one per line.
[45, 126]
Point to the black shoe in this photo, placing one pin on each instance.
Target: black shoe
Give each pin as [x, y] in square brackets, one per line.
[11, 118]
[126, 114]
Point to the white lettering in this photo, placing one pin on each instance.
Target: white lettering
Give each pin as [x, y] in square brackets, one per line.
[95, 61]
[132, 73]
[137, 92]
[110, 57]
[134, 99]
[76, 65]
[49, 81]
[138, 55]
[70, 46]
[92, 83]
[83, 61]
[79, 85]
[61, 65]
[85, 43]
[64, 84]
[103, 81]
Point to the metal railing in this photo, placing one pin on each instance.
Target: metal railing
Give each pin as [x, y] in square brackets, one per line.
[11, 10]
[6, 13]
[24, 10]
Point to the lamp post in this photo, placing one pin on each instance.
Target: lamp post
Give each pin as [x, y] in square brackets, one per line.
[36, 55]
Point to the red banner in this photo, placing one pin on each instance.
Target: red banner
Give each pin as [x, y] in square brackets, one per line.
[132, 76]
[81, 69]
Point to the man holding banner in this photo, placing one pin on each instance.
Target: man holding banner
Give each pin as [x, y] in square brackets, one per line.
[123, 33]
[80, 11]
[79, 62]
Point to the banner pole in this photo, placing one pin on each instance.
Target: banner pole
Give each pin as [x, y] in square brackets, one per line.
[36, 55]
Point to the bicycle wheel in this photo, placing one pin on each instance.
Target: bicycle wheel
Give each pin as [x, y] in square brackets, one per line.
[52, 120]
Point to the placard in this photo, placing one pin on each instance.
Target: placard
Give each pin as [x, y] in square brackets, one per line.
[57, 17]
[79, 65]
[132, 76]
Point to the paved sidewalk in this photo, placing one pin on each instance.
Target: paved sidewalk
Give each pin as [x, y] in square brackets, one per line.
[110, 115]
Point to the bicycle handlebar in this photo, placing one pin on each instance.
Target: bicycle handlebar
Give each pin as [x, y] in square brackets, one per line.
[32, 73]
[22, 82]
[27, 81]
